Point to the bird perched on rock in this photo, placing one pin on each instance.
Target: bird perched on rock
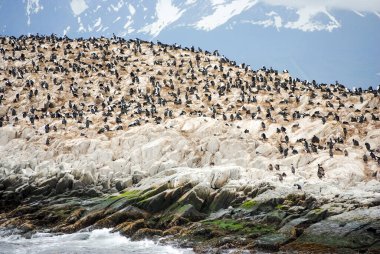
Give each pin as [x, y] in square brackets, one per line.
[365, 158]
[293, 169]
[321, 171]
[280, 177]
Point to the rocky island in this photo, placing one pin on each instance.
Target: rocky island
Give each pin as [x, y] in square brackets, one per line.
[184, 146]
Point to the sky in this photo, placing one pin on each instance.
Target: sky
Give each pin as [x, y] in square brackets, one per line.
[326, 41]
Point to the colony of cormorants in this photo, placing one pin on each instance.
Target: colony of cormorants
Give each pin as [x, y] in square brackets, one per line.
[106, 85]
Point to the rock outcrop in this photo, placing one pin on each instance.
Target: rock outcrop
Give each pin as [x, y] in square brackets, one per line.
[156, 140]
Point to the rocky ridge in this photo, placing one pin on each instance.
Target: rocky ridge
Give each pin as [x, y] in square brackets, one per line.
[157, 140]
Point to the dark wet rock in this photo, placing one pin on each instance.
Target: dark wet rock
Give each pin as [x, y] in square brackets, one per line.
[206, 232]
[27, 227]
[295, 227]
[20, 212]
[92, 192]
[129, 228]
[77, 185]
[25, 189]
[43, 190]
[123, 184]
[222, 199]
[163, 200]
[181, 215]
[274, 217]
[272, 242]
[253, 191]
[51, 182]
[75, 215]
[64, 184]
[266, 205]
[137, 177]
[85, 221]
[143, 233]
[175, 230]
[317, 215]
[357, 229]
[11, 181]
[129, 213]
[192, 198]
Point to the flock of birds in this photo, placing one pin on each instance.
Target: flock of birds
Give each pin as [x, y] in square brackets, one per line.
[104, 85]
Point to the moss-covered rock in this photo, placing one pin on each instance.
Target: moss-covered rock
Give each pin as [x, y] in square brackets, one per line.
[358, 229]
[249, 204]
[129, 228]
[128, 213]
[163, 200]
[240, 227]
[180, 215]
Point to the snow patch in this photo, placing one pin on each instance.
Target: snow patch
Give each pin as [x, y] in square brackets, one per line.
[360, 14]
[97, 25]
[223, 12]
[33, 7]
[128, 27]
[166, 14]
[66, 30]
[98, 22]
[129, 22]
[116, 20]
[117, 7]
[306, 23]
[78, 6]
[189, 2]
[131, 9]
[81, 26]
[275, 20]
[217, 2]
[97, 8]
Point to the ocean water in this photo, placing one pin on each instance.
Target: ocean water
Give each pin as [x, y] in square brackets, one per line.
[100, 241]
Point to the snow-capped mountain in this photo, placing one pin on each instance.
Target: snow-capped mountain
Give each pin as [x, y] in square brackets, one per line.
[124, 17]
[323, 40]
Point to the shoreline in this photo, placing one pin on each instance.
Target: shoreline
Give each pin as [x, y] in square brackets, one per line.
[250, 226]
[207, 208]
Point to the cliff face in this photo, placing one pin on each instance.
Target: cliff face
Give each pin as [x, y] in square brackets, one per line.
[101, 115]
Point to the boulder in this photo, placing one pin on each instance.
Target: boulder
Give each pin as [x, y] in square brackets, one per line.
[144, 233]
[51, 182]
[7, 134]
[122, 184]
[212, 145]
[356, 229]
[219, 178]
[87, 178]
[163, 200]
[78, 185]
[64, 184]
[129, 228]
[192, 198]
[223, 199]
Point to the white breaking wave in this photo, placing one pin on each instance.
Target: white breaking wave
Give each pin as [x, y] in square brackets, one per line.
[100, 241]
